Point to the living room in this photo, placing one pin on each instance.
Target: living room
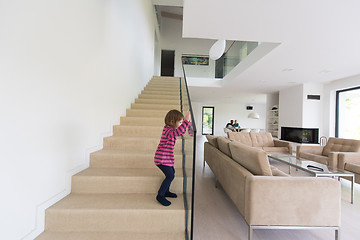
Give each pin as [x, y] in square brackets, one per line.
[285, 77]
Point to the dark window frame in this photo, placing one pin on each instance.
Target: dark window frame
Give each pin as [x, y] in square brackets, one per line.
[337, 110]
[202, 120]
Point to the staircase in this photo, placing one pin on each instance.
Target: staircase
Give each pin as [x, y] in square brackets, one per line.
[115, 197]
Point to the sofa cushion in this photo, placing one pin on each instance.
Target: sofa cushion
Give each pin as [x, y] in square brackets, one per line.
[254, 160]
[341, 145]
[354, 168]
[242, 137]
[278, 150]
[212, 140]
[314, 157]
[224, 145]
[262, 139]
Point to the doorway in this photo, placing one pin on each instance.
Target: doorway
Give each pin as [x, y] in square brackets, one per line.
[208, 121]
[167, 63]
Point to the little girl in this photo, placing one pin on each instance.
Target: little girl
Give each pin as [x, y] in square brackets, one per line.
[175, 126]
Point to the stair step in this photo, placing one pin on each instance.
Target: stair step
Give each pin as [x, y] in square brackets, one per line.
[139, 144]
[115, 212]
[166, 81]
[157, 101]
[159, 92]
[108, 158]
[155, 106]
[123, 180]
[163, 87]
[152, 96]
[146, 113]
[141, 121]
[157, 87]
[90, 235]
[137, 131]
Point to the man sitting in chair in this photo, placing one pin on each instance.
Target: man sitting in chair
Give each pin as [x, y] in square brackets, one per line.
[229, 126]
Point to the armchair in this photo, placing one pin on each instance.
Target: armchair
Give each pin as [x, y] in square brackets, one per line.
[330, 153]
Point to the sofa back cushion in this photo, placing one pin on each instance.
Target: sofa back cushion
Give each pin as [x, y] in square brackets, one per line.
[224, 145]
[212, 140]
[262, 139]
[242, 137]
[341, 145]
[254, 160]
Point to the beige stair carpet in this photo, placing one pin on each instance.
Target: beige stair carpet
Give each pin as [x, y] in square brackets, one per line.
[115, 197]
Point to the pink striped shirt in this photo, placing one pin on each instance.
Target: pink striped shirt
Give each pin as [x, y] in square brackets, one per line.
[164, 154]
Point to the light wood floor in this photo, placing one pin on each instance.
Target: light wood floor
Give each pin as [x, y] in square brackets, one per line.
[216, 217]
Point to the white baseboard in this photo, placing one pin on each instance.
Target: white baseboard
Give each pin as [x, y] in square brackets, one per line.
[40, 209]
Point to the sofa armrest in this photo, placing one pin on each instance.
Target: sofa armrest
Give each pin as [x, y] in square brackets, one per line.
[333, 159]
[281, 143]
[348, 157]
[292, 201]
[310, 149]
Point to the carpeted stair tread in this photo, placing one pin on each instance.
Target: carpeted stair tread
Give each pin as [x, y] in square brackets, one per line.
[114, 202]
[125, 172]
[146, 113]
[138, 131]
[141, 121]
[115, 158]
[141, 144]
[170, 91]
[123, 180]
[145, 95]
[156, 101]
[112, 236]
[115, 212]
[155, 106]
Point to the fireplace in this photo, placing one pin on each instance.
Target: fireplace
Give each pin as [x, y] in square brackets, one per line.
[300, 135]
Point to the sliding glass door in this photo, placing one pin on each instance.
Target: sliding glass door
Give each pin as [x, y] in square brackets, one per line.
[348, 113]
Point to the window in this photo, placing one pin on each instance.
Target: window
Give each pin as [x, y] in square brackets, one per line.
[208, 120]
[348, 113]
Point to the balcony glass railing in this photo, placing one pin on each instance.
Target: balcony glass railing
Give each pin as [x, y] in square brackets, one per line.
[201, 66]
[188, 148]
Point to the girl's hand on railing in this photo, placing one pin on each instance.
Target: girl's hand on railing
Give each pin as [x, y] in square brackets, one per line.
[188, 116]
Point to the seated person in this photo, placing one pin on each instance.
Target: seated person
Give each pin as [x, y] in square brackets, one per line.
[230, 125]
[236, 126]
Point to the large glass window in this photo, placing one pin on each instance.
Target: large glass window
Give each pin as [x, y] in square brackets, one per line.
[208, 120]
[348, 113]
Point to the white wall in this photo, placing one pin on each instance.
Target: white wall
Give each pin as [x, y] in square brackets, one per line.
[312, 109]
[68, 71]
[296, 110]
[171, 39]
[290, 107]
[330, 101]
[224, 112]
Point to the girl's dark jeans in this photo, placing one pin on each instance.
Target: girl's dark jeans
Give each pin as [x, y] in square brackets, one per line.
[169, 176]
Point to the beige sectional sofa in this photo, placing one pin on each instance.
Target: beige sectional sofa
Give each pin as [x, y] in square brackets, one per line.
[268, 198]
[262, 141]
[338, 152]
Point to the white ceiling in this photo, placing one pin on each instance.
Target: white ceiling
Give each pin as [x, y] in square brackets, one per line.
[319, 40]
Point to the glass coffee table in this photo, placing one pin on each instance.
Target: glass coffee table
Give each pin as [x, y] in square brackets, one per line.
[314, 168]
